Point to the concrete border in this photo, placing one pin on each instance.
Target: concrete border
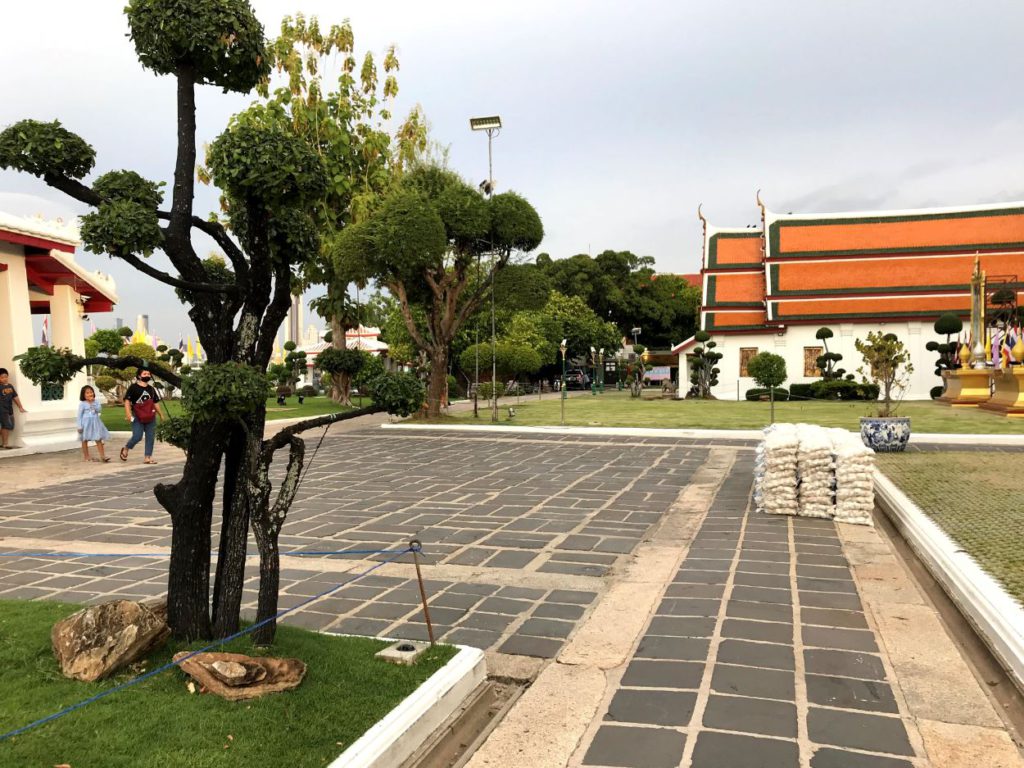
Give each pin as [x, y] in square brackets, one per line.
[934, 438]
[404, 729]
[995, 615]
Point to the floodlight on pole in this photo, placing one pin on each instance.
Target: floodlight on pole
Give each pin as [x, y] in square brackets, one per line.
[563, 347]
[492, 125]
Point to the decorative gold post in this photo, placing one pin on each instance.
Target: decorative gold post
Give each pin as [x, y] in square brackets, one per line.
[970, 385]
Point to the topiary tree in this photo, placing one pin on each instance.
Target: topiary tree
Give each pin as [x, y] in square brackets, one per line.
[768, 370]
[340, 365]
[269, 179]
[703, 369]
[886, 363]
[827, 362]
[947, 324]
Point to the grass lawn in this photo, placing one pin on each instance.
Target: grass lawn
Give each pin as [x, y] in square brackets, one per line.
[158, 724]
[113, 415]
[618, 409]
[976, 498]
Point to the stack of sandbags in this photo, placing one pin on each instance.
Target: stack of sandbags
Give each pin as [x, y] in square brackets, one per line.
[854, 469]
[814, 468]
[775, 472]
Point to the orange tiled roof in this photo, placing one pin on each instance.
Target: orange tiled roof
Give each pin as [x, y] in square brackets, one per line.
[732, 289]
[868, 308]
[733, 249]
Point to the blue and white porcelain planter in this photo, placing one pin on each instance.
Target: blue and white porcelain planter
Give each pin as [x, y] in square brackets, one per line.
[885, 434]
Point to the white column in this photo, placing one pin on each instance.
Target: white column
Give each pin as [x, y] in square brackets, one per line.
[66, 327]
[16, 330]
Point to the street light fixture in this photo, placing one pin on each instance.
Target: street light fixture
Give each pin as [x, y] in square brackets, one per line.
[492, 125]
[563, 347]
[635, 332]
[600, 370]
[593, 371]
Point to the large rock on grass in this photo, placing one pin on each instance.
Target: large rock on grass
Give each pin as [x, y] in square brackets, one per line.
[97, 641]
[235, 676]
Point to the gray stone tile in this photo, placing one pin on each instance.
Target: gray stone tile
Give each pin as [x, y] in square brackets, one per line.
[688, 607]
[761, 716]
[642, 673]
[765, 631]
[846, 639]
[727, 750]
[493, 622]
[558, 611]
[859, 731]
[524, 645]
[652, 707]
[573, 569]
[843, 664]
[714, 591]
[756, 566]
[847, 693]
[762, 580]
[390, 611]
[823, 572]
[475, 638]
[455, 600]
[576, 597]
[762, 595]
[511, 559]
[752, 654]
[835, 758]
[747, 681]
[521, 593]
[545, 628]
[835, 600]
[475, 589]
[760, 611]
[672, 648]
[367, 627]
[504, 605]
[685, 626]
[826, 617]
[805, 584]
[616, 745]
[701, 577]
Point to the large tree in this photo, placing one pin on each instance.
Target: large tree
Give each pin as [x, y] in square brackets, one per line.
[423, 243]
[270, 180]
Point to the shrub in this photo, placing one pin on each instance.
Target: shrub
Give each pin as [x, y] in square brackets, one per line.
[936, 392]
[308, 391]
[486, 390]
[840, 389]
[762, 393]
[801, 391]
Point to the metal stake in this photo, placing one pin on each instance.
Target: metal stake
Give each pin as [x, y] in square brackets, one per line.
[416, 548]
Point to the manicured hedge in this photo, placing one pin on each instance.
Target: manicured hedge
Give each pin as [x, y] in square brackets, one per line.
[760, 393]
[844, 390]
[801, 391]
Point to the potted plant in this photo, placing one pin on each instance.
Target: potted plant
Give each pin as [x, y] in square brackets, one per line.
[887, 364]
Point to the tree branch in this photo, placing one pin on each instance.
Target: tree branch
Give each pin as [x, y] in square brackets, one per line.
[219, 234]
[282, 438]
[73, 188]
[177, 282]
[410, 324]
[130, 361]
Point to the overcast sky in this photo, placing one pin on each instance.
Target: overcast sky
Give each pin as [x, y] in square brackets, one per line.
[619, 117]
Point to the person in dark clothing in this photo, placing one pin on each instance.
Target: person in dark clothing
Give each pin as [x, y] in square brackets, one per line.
[8, 399]
[141, 408]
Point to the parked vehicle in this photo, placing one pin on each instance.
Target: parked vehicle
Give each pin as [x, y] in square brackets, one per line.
[576, 379]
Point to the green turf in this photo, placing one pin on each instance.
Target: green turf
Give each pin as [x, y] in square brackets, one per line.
[618, 409]
[975, 497]
[158, 724]
[113, 414]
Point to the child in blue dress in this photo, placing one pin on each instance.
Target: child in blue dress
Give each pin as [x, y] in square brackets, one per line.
[90, 426]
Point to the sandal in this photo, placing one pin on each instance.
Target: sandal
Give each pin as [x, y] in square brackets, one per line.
[104, 460]
[124, 454]
[148, 461]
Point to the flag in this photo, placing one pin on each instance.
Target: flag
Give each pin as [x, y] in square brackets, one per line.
[45, 341]
[181, 343]
[189, 354]
[92, 326]
[199, 352]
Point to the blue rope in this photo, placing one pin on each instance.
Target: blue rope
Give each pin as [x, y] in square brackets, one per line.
[303, 553]
[215, 644]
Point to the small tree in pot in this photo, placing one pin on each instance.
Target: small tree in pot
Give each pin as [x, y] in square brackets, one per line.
[887, 364]
[768, 370]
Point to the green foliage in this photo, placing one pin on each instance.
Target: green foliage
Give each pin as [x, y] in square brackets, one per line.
[767, 369]
[801, 391]
[515, 224]
[406, 237]
[219, 42]
[761, 393]
[702, 337]
[840, 389]
[289, 346]
[216, 271]
[400, 394]
[136, 349]
[512, 360]
[45, 148]
[569, 318]
[258, 158]
[948, 324]
[223, 391]
[46, 365]
[824, 333]
[487, 391]
[936, 392]
[521, 287]
[373, 367]
[105, 384]
[886, 363]
[334, 361]
[128, 185]
[175, 431]
[122, 227]
[466, 216]
[703, 369]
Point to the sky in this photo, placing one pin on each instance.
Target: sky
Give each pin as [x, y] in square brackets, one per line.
[619, 118]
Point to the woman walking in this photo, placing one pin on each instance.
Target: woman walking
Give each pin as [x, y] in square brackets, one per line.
[141, 409]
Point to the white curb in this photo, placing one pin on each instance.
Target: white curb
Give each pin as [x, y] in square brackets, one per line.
[994, 614]
[395, 738]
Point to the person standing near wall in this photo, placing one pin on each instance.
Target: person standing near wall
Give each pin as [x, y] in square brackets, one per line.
[8, 399]
[141, 409]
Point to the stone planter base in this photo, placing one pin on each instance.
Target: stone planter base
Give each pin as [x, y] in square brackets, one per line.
[888, 434]
[966, 387]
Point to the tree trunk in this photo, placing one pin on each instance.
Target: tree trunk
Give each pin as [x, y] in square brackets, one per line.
[438, 381]
[190, 505]
[344, 384]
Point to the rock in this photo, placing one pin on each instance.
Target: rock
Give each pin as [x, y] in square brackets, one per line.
[235, 676]
[97, 641]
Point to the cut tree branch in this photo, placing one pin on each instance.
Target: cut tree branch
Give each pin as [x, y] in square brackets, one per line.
[177, 282]
[282, 438]
[130, 361]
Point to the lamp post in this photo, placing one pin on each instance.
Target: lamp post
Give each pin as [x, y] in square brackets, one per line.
[636, 332]
[563, 347]
[593, 371]
[600, 369]
[492, 126]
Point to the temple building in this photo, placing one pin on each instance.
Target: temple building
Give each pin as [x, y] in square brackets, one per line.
[39, 276]
[770, 288]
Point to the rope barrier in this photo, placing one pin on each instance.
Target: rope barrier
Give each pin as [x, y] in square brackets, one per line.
[301, 553]
[414, 548]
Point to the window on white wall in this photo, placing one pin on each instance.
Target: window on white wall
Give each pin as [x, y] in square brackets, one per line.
[746, 353]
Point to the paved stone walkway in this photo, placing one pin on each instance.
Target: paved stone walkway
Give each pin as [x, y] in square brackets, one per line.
[759, 654]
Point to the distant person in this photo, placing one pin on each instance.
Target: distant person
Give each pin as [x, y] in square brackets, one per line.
[142, 410]
[8, 399]
[90, 425]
